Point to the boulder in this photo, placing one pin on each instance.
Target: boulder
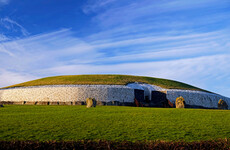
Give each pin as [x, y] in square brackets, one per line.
[6, 103]
[79, 103]
[222, 104]
[116, 103]
[68, 103]
[54, 103]
[30, 103]
[113, 103]
[100, 103]
[19, 102]
[91, 102]
[42, 103]
[180, 103]
[61, 103]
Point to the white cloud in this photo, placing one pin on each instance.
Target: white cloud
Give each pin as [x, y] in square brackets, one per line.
[197, 71]
[10, 78]
[179, 40]
[195, 58]
[45, 50]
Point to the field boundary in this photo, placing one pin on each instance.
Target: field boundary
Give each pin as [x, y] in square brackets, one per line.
[221, 144]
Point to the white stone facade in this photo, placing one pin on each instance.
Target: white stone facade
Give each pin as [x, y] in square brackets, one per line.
[68, 93]
[105, 93]
[197, 98]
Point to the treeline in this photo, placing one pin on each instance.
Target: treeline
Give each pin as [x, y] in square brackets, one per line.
[223, 144]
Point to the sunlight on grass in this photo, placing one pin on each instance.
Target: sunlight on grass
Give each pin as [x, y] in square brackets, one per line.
[111, 123]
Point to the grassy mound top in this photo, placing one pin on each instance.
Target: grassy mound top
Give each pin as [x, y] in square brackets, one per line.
[106, 80]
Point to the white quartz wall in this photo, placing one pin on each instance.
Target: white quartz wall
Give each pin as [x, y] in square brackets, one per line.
[197, 98]
[105, 93]
[68, 93]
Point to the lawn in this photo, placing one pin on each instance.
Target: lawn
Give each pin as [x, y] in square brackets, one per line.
[106, 80]
[112, 123]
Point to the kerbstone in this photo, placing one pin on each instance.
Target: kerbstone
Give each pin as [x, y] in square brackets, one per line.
[222, 104]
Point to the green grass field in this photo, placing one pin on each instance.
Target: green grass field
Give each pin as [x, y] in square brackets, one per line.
[107, 80]
[112, 123]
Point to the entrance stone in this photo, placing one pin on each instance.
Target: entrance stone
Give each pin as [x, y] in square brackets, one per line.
[180, 103]
[222, 104]
[91, 102]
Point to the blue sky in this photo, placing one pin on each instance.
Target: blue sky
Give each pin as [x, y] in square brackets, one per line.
[183, 40]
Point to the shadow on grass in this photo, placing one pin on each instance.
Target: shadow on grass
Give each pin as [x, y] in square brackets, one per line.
[221, 144]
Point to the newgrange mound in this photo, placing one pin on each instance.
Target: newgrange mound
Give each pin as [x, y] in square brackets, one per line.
[109, 90]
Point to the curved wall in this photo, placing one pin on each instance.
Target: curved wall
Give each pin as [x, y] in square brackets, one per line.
[105, 93]
[192, 98]
[68, 93]
[197, 98]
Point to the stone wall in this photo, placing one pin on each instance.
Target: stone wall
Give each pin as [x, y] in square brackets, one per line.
[68, 93]
[65, 94]
[197, 98]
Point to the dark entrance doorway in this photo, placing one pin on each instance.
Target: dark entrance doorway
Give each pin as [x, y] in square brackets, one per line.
[158, 97]
[139, 95]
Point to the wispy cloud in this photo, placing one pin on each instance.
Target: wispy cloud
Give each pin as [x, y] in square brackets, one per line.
[45, 50]
[158, 47]
[190, 70]
[11, 77]
[13, 26]
[60, 52]
[181, 40]
[155, 11]
[3, 38]
[95, 5]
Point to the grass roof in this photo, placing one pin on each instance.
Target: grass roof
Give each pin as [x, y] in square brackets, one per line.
[106, 80]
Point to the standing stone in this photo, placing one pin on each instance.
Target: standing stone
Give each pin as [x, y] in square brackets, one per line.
[79, 103]
[180, 103]
[91, 102]
[94, 102]
[222, 104]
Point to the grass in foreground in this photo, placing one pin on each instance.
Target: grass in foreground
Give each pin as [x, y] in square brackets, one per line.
[107, 80]
[112, 123]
